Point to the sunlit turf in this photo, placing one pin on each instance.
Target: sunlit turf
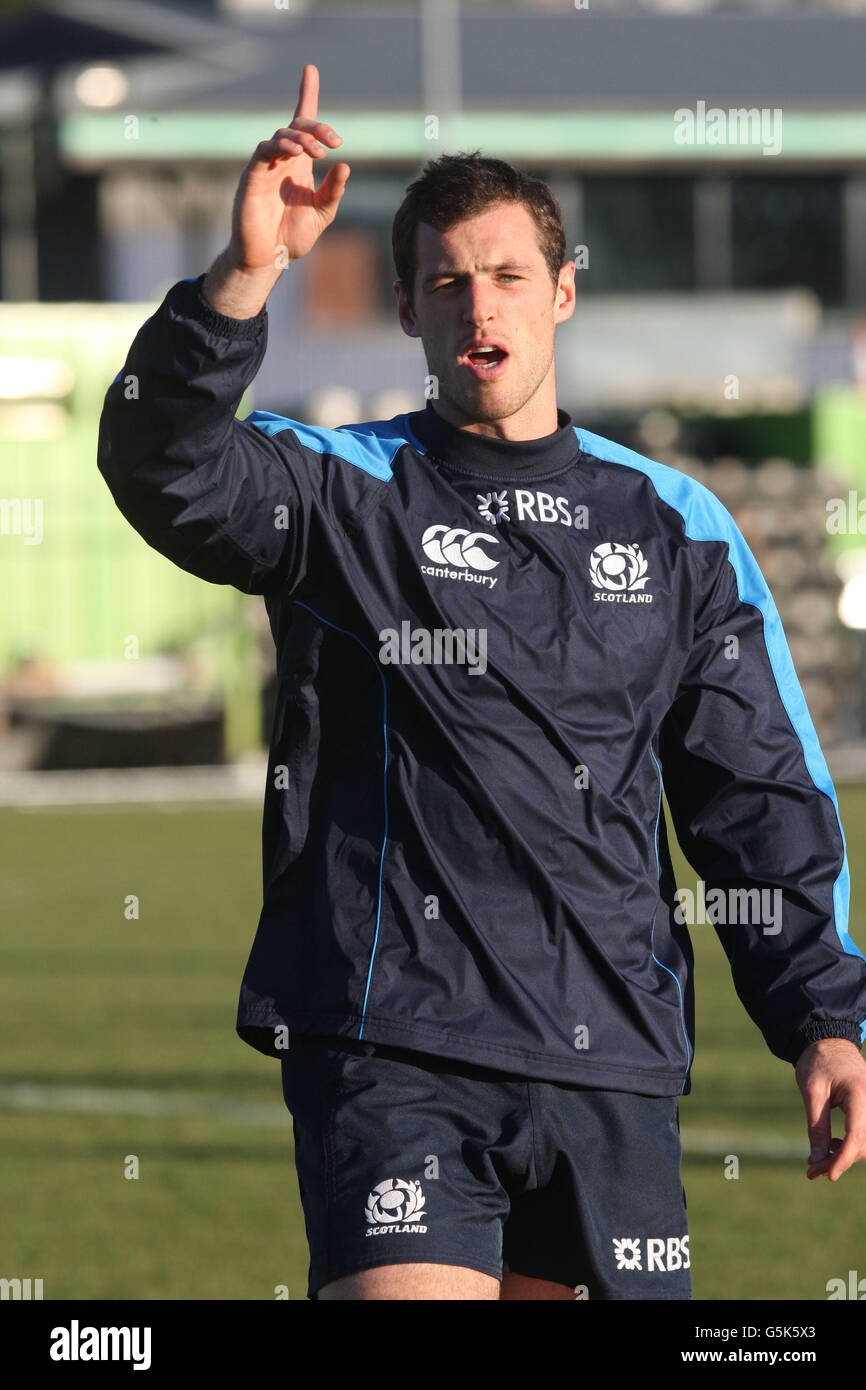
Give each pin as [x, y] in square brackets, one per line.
[93, 996]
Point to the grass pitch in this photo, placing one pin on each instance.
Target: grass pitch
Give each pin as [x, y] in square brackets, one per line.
[93, 997]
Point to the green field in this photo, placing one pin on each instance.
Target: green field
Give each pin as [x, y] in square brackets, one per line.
[91, 999]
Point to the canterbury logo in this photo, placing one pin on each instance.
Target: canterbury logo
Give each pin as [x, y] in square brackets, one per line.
[618, 567]
[455, 546]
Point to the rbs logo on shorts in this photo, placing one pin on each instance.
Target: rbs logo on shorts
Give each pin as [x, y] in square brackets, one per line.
[662, 1253]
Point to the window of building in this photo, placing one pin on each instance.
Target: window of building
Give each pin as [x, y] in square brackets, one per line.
[788, 231]
[639, 233]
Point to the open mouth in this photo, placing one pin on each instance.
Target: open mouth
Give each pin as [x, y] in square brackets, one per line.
[486, 362]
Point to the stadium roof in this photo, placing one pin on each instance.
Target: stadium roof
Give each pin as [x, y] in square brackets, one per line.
[568, 59]
[508, 57]
[578, 83]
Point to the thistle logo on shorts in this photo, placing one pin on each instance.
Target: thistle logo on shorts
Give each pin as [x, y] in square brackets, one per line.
[394, 1208]
[663, 1253]
[458, 553]
[619, 572]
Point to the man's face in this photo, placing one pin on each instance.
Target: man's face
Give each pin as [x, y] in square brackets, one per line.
[486, 279]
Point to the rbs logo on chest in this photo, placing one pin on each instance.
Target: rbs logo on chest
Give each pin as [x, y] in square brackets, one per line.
[531, 506]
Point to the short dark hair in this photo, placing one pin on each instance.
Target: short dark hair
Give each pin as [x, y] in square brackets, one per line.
[457, 186]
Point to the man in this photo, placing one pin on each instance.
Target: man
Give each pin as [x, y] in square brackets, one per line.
[496, 635]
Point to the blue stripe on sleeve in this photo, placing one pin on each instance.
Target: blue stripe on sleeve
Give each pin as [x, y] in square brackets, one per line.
[371, 446]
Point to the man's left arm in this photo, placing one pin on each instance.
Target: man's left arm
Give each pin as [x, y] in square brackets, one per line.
[754, 808]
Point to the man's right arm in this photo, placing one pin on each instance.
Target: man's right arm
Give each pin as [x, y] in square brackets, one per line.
[237, 293]
[214, 494]
[210, 492]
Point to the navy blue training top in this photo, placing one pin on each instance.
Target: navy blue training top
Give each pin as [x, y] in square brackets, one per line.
[492, 656]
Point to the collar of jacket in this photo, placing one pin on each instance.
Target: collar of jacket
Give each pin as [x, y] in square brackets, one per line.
[482, 456]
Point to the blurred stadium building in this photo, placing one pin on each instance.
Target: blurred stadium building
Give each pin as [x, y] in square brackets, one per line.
[710, 162]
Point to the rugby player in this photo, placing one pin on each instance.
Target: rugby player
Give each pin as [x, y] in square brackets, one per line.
[498, 636]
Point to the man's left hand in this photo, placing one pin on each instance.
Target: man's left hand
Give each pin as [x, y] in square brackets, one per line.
[831, 1074]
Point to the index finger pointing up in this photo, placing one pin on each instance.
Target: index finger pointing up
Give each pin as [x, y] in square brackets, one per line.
[308, 97]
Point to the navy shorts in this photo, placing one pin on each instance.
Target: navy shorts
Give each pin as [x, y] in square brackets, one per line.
[403, 1157]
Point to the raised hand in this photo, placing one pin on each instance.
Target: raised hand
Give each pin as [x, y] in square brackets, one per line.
[278, 212]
